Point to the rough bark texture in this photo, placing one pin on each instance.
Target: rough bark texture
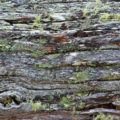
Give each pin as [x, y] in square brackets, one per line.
[62, 66]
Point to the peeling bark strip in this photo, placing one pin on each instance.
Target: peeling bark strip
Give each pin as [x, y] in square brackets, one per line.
[55, 63]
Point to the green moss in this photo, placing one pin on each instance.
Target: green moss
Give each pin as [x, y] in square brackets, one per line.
[35, 7]
[51, 97]
[118, 101]
[40, 41]
[4, 46]
[102, 116]
[81, 105]
[105, 17]
[94, 8]
[56, 55]
[38, 53]
[17, 46]
[37, 20]
[111, 76]
[117, 16]
[82, 95]
[43, 65]
[81, 76]
[98, 2]
[20, 47]
[66, 101]
[4, 28]
[37, 105]
[109, 17]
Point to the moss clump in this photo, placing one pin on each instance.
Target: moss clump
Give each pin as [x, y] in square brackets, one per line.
[109, 17]
[118, 101]
[105, 17]
[69, 102]
[56, 56]
[102, 116]
[82, 95]
[20, 47]
[81, 76]
[37, 105]
[37, 20]
[17, 46]
[46, 65]
[94, 8]
[66, 101]
[111, 75]
[81, 105]
[4, 28]
[40, 41]
[4, 46]
[38, 53]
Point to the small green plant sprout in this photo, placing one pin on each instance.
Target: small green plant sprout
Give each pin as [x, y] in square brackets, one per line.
[102, 116]
[4, 46]
[81, 76]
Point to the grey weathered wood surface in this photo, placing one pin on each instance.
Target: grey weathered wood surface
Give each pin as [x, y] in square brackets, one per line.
[37, 63]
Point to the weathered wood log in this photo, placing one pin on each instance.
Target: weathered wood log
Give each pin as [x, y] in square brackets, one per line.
[66, 65]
